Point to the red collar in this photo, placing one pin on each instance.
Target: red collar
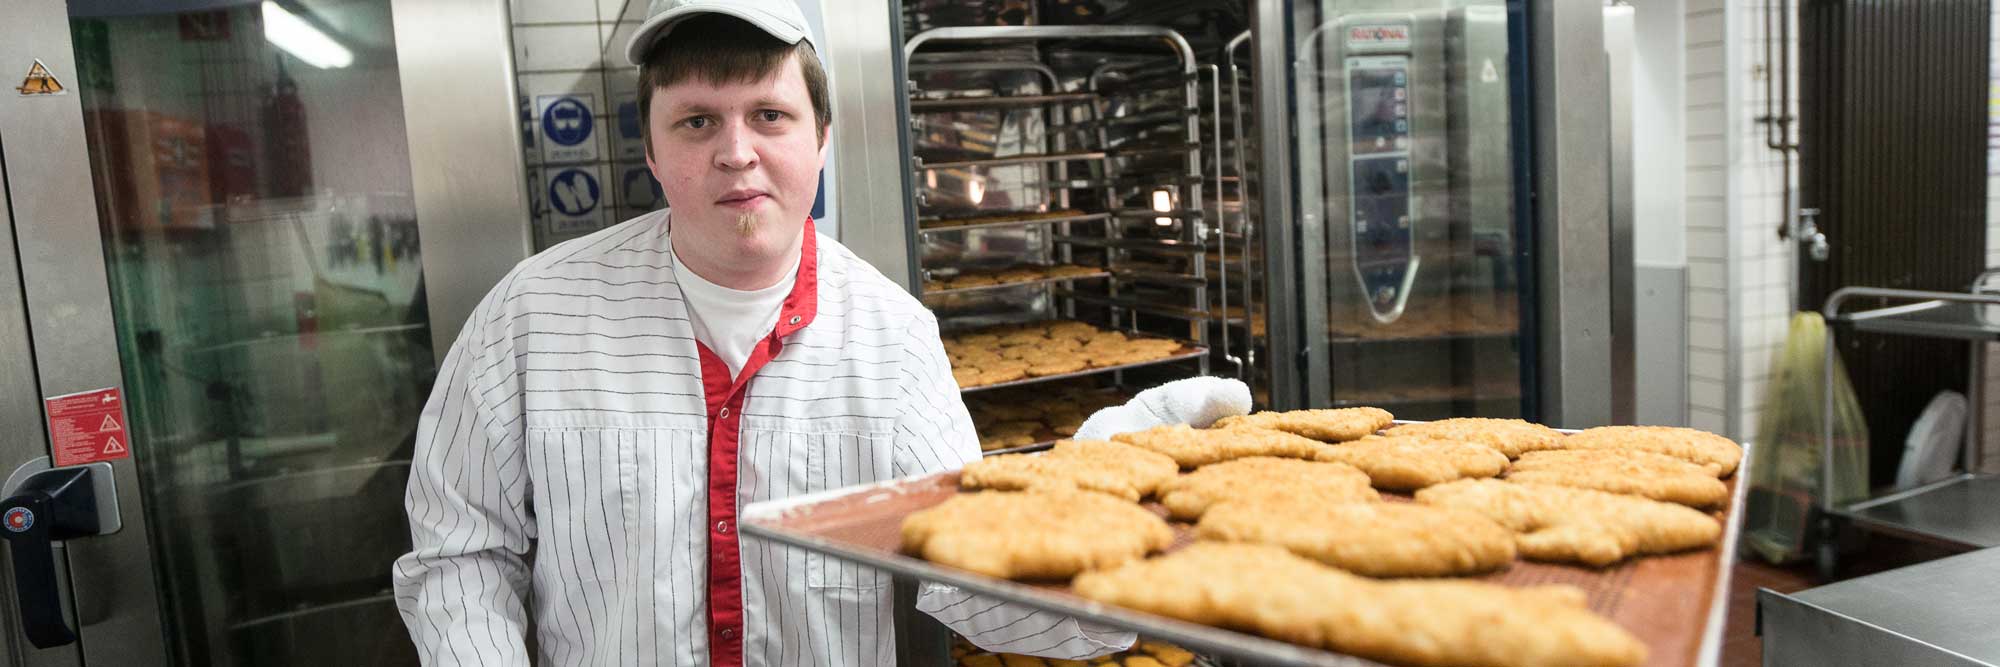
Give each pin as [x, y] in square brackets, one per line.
[803, 303]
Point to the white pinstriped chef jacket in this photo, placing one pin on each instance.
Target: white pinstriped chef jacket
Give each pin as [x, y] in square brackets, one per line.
[582, 455]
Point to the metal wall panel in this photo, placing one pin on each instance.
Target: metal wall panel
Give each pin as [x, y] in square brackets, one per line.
[1659, 341]
[1271, 58]
[1620, 46]
[1893, 153]
[863, 43]
[1572, 156]
[459, 108]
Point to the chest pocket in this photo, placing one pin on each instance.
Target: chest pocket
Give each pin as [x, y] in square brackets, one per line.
[584, 499]
[843, 460]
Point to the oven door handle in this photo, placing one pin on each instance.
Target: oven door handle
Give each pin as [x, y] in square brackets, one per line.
[50, 506]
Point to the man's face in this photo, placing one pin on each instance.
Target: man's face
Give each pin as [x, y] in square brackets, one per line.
[739, 163]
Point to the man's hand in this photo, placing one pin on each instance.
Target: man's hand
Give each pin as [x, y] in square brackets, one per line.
[1197, 402]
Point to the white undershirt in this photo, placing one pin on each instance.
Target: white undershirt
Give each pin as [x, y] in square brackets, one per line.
[742, 318]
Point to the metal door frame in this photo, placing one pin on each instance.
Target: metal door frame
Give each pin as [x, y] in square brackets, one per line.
[864, 40]
[57, 336]
[1569, 77]
[26, 438]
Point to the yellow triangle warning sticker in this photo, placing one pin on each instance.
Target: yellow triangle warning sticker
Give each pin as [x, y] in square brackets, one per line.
[113, 446]
[110, 424]
[40, 82]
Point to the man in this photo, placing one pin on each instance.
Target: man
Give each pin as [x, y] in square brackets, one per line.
[616, 399]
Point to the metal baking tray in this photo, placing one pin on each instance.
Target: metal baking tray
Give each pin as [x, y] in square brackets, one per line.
[1018, 283]
[1031, 158]
[998, 101]
[1023, 449]
[1174, 246]
[991, 222]
[1672, 603]
[1138, 305]
[1187, 351]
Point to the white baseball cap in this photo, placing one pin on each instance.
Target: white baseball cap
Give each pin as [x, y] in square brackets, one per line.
[781, 18]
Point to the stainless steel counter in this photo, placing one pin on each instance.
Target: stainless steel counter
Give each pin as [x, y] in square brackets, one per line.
[1960, 511]
[1945, 612]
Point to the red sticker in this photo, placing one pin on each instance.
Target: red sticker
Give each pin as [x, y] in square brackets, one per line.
[88, 427]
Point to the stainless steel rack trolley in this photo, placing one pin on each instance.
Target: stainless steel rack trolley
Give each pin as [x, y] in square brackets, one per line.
[1958, 511]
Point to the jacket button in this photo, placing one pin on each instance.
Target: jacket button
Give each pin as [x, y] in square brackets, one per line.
[795, 320]
[722, 526]
[729, 633]
[725, 413]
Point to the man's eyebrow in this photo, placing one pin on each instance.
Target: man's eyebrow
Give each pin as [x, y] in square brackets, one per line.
[680, 108]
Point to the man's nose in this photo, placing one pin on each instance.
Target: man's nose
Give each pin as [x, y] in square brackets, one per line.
[736, 150]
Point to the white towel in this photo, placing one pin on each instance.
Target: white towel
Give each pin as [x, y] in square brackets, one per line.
[1197, 402]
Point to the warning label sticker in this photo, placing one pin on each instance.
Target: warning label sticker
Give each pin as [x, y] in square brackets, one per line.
[40, 82]
[88, 427]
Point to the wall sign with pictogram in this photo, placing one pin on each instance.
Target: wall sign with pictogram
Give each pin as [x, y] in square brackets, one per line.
[568, 128]
[577, 196]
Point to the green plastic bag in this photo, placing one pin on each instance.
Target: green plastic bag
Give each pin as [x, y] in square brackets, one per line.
[1788, 450]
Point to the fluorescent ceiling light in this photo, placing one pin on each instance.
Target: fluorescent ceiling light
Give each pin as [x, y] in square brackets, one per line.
[287, 31]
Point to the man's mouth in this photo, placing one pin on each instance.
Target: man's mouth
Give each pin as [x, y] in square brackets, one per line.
[743, 198]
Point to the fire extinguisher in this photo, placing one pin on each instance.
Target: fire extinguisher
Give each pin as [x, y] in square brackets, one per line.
[287, 148]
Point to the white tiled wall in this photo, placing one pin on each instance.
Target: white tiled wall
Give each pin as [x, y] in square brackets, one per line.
[1740, 274]
[1708, 215]
[576, 47]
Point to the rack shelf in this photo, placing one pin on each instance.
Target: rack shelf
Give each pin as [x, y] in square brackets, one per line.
[994, 222]
[1180, 214]
[1187, 352]
[1431, 338]
[928, 293]
[1175, 312]
[997, 101]
[1035, 158]
[1152, 245]
[1160, 278]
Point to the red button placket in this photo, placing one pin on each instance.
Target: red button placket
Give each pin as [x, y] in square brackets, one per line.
[725, 564]
[725, 396]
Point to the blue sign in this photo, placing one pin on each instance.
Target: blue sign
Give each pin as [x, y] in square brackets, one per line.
[628, 120]
[574, 192]
[567, 122]
[641, 191]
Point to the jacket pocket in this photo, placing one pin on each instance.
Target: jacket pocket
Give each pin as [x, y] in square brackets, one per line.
[584, 496]
[836, 461]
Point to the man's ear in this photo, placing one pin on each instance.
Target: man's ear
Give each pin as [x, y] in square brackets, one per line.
[825, 140]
